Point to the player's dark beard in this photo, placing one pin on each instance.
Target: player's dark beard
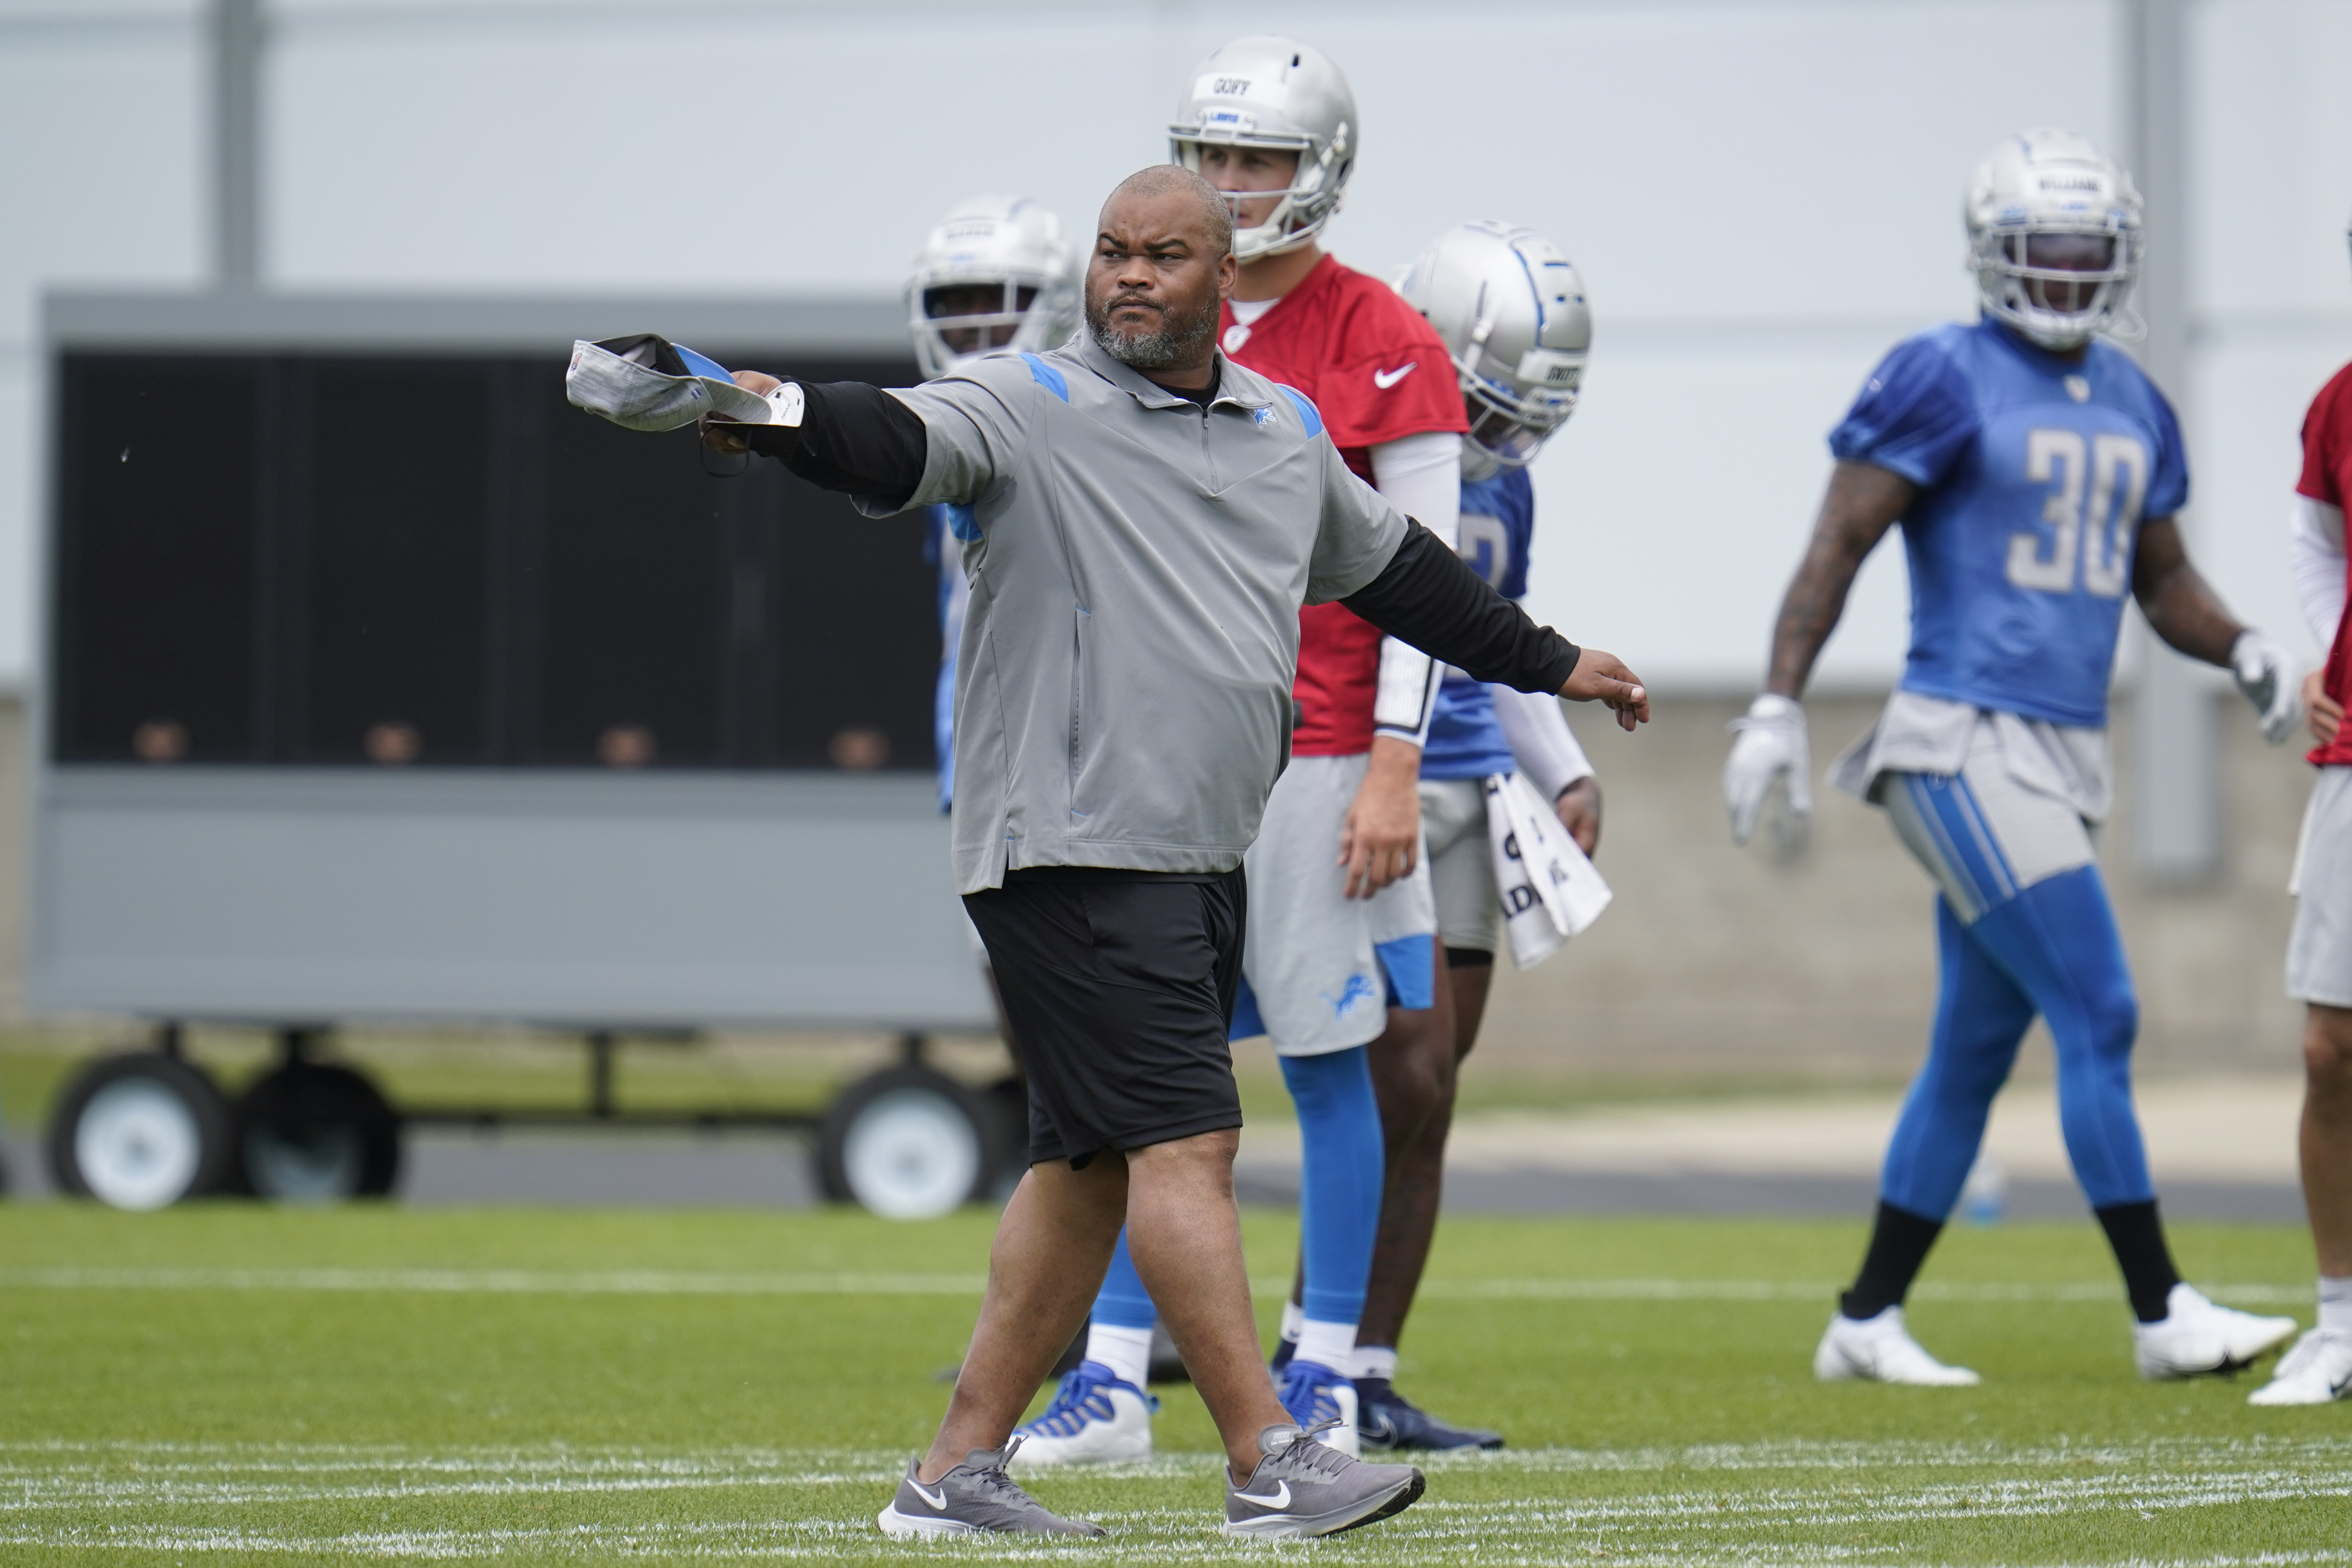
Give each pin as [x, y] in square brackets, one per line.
[1180, 336]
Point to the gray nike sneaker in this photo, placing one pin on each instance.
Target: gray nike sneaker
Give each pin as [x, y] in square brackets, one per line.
[1305, 1487]
[975, 1497]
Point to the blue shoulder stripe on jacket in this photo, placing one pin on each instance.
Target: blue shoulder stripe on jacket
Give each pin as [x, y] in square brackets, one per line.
[1047, 377]
[1307, 413]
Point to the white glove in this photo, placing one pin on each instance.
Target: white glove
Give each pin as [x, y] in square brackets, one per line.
[1771, 742]
[2266, 673]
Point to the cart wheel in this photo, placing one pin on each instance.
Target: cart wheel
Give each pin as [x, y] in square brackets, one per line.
[140, 1131]
[907, 1143]
[313, 1133]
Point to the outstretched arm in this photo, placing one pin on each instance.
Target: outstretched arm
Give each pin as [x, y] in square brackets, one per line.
[855, 438]
[1428, 596]
[1864, 502]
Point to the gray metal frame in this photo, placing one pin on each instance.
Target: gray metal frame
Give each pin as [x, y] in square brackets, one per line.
[583, 899]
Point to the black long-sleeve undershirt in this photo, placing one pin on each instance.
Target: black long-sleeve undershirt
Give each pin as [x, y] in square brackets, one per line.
[1428, 596]
[860, 441]
[851, 438]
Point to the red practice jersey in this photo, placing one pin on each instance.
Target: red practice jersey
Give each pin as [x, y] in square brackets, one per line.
[2327, 477]
[1377, 372]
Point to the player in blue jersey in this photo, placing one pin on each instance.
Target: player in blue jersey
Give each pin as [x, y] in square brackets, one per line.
[1511, 312]
[2036, 473]
[995, 275]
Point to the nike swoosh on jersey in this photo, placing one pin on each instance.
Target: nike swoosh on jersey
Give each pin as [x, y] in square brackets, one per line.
[938, 1500]
[1281, 1497]
[1384, 379]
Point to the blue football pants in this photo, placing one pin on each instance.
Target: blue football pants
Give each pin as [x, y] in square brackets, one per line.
[2045, 945]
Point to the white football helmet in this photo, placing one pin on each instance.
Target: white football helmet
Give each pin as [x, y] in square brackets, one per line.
[2055, 235]
[1512, 311]
[1275, 94]
[996, 274]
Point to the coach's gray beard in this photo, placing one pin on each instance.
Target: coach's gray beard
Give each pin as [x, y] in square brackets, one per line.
[1178, 339]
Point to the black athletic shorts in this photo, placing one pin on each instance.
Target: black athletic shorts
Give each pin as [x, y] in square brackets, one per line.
[1120, 989]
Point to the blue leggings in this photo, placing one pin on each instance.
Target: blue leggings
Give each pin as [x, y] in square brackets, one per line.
[1342, 1164]
[2051, 949]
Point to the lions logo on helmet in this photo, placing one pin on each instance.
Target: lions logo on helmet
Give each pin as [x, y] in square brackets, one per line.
[995, 274]
[1512, 311]
[1281, 94]
[2055, 237]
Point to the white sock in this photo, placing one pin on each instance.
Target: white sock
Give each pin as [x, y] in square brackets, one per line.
[1327, 1344]
[1375, 1361]
[1293, 1315]
[2336, 1304]
[1127, 1351]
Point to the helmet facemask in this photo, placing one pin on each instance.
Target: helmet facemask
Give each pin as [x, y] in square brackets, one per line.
[1297, 215]
[995, 275]
[2033, 274]
[1514, 409]
[962, 321]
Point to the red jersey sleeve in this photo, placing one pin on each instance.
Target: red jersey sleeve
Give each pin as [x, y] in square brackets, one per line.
[2327, 477]
[1389, 376]
[2327, 442]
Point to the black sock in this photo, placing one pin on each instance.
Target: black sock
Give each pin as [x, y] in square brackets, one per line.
[1898, 1245]
[2137, 1236]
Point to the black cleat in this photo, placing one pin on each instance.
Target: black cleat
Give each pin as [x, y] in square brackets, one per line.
[1387, 1419]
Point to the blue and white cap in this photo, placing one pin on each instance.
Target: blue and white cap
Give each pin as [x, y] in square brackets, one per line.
[645, 383]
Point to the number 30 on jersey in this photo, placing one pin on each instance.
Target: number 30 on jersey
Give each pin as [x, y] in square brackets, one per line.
[2096, 486]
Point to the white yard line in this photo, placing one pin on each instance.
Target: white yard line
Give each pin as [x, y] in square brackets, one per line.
[683, 1282]
[110, 1512]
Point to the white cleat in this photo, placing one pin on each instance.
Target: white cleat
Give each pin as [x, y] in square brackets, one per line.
[1094, 1419]
[2197, 1339]
[2317, 1370]
[1880, 1350]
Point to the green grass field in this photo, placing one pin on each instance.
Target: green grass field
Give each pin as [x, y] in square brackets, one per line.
[368, 1382]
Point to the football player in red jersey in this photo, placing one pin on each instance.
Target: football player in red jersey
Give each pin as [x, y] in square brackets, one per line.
[1272, 123]
[2319, 953]
[1340, 967]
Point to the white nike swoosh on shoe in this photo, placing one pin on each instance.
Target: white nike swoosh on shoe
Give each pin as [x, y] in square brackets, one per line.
[1281, 1497]
[1384, 379]
[938, 1500]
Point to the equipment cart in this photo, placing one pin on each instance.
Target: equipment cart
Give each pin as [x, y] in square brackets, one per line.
[382, 684]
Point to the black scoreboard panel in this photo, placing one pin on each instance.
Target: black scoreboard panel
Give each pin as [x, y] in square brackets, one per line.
[385, 576]
[162, 477]
[434, 561]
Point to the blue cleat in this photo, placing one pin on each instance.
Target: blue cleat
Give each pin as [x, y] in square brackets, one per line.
[1094, 1419]
[1387, 1419]
[1317, 1397]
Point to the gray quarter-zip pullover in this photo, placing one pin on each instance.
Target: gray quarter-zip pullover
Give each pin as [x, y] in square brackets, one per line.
[1137, 567]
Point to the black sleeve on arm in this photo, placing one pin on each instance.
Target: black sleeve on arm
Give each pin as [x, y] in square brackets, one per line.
[1428, 596]
[853, 437]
